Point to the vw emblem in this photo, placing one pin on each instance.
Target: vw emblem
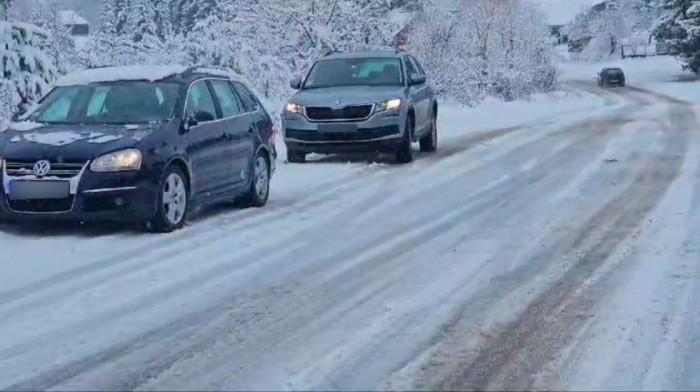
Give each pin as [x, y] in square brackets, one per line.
[42, 168]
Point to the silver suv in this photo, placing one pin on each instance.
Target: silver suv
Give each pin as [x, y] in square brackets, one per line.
[361, 102]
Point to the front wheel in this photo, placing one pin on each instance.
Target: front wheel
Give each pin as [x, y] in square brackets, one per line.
[428, 143]
[404, 154]
[259, 190]
[173, 202]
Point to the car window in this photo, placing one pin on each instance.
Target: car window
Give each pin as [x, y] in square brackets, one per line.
[199, 98]
[227, 100]
[355, 72]
[250, 104]
[57, 105]
[417, 65]
[109, 103]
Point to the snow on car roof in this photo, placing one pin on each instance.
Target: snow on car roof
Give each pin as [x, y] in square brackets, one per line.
[114, 74]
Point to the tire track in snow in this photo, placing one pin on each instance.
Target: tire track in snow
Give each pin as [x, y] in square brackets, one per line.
[525, 346]
[483, 204]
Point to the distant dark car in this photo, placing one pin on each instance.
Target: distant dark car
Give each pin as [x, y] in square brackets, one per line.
[137, 143]
[611, 77]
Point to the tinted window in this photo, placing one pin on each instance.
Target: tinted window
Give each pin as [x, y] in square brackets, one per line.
[355, 72]
[199, 98]
[227, 100]
[108, 103]
[250, 104]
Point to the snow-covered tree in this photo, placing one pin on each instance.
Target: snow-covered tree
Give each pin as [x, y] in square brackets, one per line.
[681, 28]
[474, 48]
[605, 27]
[26, 69]
[59, 44]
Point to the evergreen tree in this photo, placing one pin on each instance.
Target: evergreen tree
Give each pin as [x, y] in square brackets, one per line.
[59, 44]
[141, 23]
[24, 65]
[681, 29]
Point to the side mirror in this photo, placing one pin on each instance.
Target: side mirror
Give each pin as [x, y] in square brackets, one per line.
[199, 116]
[416, 79]
[295, 83]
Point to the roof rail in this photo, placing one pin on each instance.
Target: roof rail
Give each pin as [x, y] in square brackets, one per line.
[194, 68]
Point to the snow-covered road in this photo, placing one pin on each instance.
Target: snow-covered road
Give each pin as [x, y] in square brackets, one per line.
[545, 249]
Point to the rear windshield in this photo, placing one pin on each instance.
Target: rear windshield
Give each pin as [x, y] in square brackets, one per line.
[614, 72]
[108, 103]
[355, 72]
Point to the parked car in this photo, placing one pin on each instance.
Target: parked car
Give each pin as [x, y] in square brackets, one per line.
[137, 143]
[611, 77]
[361, 102]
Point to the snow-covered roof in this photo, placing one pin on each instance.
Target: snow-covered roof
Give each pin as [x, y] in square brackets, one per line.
[70, 17]
[113, 74]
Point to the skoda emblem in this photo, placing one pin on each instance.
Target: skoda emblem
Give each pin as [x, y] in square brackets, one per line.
[338, 104]
[42, 168]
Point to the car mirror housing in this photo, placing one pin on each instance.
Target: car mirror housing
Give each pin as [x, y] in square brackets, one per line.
[415, 79]
[295, 83]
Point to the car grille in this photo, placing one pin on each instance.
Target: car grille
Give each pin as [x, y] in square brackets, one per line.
[351, 113]
[42, 205]
[61, 170]
[361, 134]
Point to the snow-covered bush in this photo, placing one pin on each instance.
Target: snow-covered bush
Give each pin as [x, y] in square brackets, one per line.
[476, 48]
[27, 70]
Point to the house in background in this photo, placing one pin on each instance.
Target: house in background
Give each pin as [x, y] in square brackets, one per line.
[78, 26]
[560, 37]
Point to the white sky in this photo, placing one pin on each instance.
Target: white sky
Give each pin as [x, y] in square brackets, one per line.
[562, 11]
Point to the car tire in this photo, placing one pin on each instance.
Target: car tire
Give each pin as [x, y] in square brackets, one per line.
[259, 190]
[173, 201]
[428, 143]
[296, 156]
[404, 154]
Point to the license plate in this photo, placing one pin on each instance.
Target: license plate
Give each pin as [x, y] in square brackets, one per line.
[29, 190]
[340, 127]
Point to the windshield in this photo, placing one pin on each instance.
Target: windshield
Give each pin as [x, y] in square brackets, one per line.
[355, 72]
[108, 103]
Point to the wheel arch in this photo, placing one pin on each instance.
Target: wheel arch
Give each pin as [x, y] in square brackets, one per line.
[182, 164]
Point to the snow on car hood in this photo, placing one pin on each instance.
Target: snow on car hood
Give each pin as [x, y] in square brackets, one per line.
[348, 95]
[79, 142]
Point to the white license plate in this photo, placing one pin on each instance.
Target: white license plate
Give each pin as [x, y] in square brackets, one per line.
[32, 190]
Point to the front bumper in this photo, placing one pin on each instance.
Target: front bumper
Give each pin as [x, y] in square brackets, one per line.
[381, 132]
[127, 196]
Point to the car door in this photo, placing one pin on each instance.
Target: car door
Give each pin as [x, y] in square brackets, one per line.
[237, 127]
[209, 146]
[246, 144]
[420, 95]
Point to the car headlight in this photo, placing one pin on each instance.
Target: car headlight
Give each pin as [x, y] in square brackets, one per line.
[294, 108]
[123, 160]
[393, 105]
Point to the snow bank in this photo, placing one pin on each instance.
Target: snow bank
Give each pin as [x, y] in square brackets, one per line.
[129, 72]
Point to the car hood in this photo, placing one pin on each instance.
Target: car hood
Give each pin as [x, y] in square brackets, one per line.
[348, 95]
[28, 141]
